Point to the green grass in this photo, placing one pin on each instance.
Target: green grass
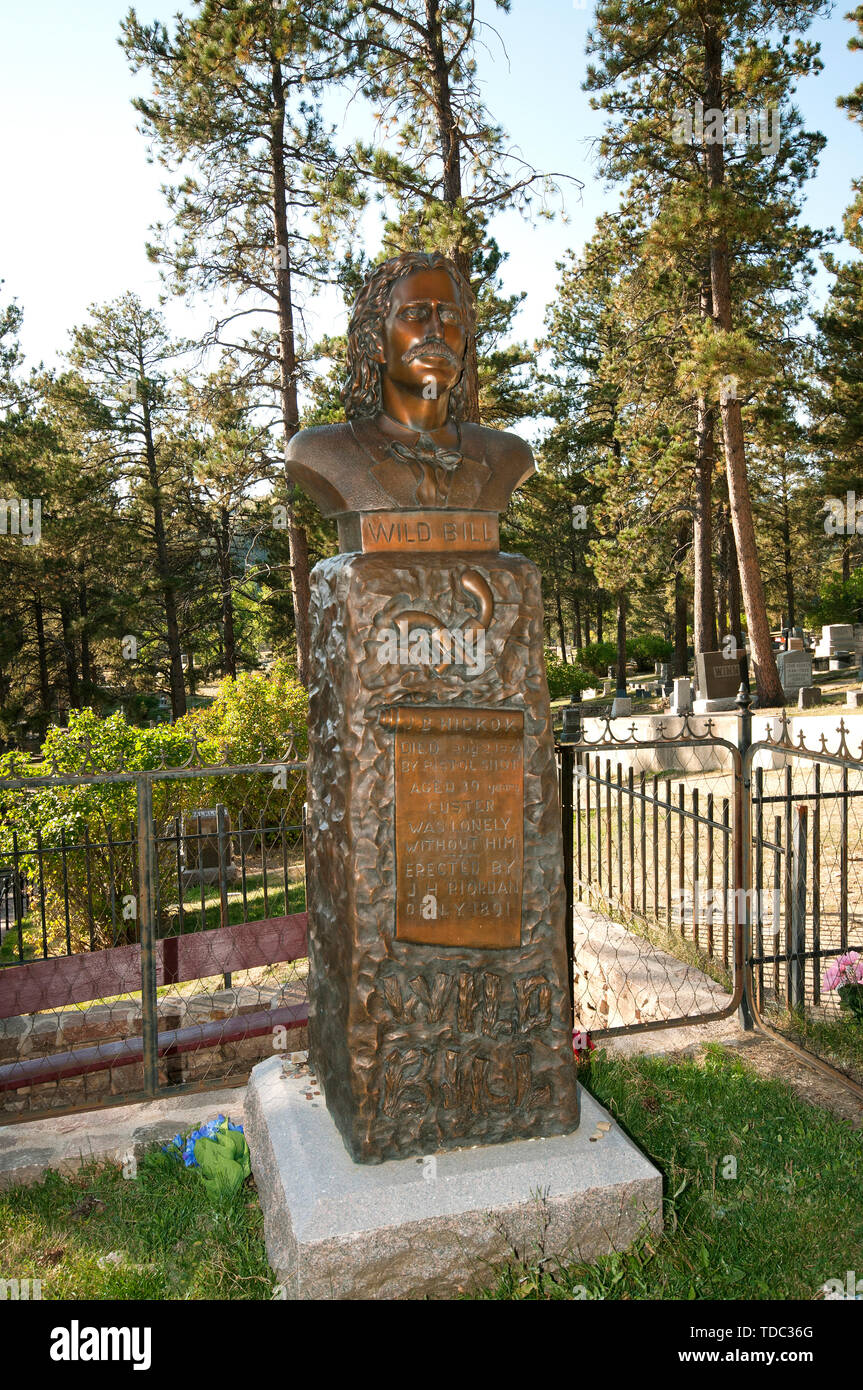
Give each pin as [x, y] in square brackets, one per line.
[790, 1220]
[838, 1040]
[165, 1239]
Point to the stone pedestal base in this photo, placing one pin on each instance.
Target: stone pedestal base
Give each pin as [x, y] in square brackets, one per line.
[437, 1225]
[727, 702]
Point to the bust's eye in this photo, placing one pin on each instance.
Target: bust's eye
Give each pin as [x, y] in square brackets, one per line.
[450, 315]
[415, 311]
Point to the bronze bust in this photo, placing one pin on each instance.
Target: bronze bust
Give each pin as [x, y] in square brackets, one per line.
[404, 448]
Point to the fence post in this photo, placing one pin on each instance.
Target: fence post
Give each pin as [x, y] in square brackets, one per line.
[567, 768]
[743, 857]
[797, 962]
[147, 929]
[224, 860]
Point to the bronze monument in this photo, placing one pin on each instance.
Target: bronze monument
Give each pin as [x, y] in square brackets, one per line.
[439, 1006]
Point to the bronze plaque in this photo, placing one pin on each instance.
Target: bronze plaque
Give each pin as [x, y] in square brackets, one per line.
[430, 531]
[459, 825]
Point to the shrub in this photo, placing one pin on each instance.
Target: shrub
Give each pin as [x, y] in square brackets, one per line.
[564, 681]
[598, 656]
[250, 717]
[646, 650]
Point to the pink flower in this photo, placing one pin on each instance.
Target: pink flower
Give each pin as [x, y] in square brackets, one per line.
[845, 970]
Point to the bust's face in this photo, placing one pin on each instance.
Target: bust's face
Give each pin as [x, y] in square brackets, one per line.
[424, 333]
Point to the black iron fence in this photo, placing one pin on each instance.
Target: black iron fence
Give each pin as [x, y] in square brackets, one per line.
[707, 873]
[155, 932]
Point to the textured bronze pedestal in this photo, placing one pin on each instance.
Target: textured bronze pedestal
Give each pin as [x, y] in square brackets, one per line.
[439, 1004]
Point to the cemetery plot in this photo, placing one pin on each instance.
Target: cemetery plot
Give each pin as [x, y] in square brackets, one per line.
[149, 945]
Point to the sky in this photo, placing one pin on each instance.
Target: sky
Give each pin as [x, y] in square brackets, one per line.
[79, 194]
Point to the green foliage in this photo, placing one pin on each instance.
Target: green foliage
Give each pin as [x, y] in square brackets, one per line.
[646, 650]
[564, 680]
[250, 720]
[598, 656]
[840, 601]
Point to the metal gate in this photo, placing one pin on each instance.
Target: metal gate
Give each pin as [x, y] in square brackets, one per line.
[708, 874]
[652, 852]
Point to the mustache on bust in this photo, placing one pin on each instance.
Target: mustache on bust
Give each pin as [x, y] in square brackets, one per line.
[441, 349]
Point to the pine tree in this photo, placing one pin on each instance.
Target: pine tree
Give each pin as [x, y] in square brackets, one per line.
[719, 211]
[448, 167]
[234, 96]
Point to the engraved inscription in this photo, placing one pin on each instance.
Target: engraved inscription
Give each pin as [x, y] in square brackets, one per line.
[459, 825]
[480, 1060]
[430, 531]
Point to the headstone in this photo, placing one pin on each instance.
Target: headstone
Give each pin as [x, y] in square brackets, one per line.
[681, 696]
[795, 670]
[795, 644]
[717, 676]
[835, 637]
[808, 696]
[439, 1004]
[202, 854]
[854, 699]
[440, 1020]
[718, 680]
[621, 705]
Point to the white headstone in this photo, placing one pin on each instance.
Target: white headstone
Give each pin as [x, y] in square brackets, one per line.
[681, 696]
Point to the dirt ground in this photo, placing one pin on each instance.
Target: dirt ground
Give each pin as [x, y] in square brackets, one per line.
[763, 1056]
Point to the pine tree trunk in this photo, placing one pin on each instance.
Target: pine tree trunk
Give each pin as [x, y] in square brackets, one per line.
[734, 602]
[722, 581]
[766, 675]
[681, 652]
[86, 669]
[621, 642]
[449, 143]
[70, 657]
[599, 618]
[561, 628]
[576, 624]
[703, 603]
[788, 562]
[229, 646]
[177, 686]
[297, 539]
[44, 688]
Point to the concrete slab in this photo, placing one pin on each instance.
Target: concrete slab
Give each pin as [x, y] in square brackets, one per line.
[434, 1226]
[65, 1142]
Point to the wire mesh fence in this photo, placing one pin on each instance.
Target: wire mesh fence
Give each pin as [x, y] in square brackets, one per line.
[152, 934]
[654, 903]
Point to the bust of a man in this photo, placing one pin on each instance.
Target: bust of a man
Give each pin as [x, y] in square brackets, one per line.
[405, 447]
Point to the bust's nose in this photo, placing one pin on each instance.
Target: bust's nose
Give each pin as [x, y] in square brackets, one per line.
[435, 323]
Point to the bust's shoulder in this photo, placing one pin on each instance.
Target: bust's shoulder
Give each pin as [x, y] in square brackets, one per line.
[510, 456]
[319, 442]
